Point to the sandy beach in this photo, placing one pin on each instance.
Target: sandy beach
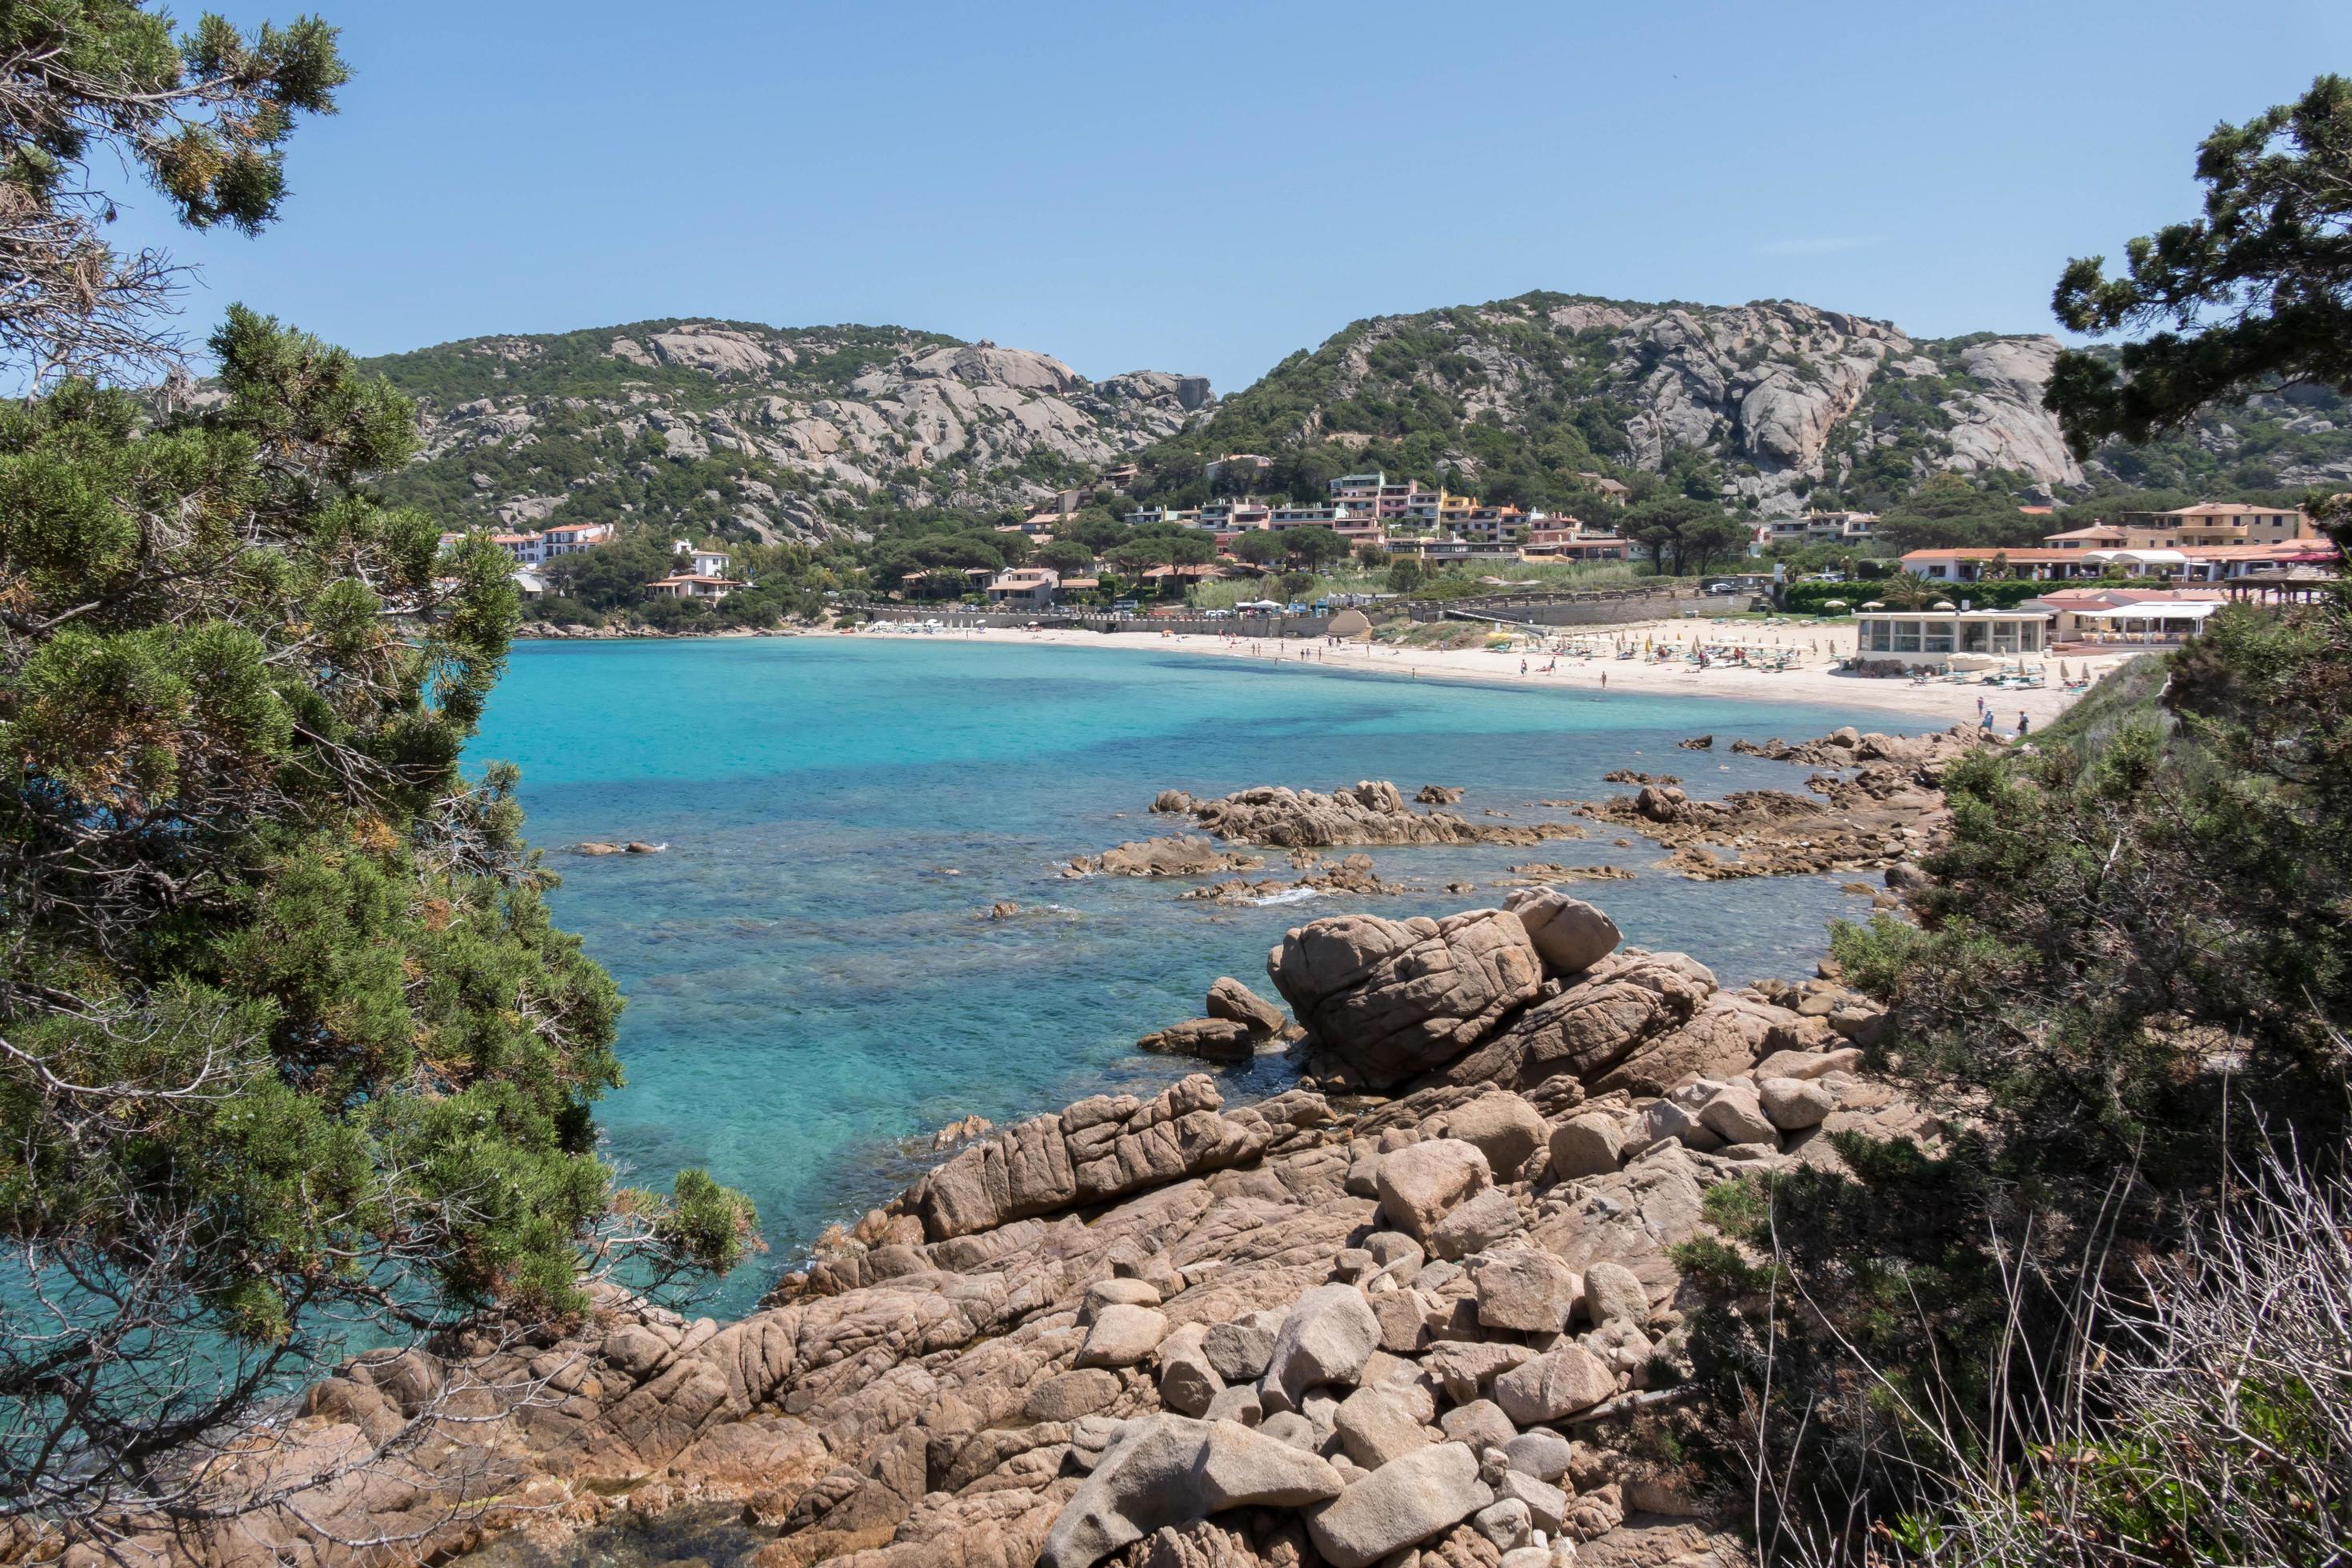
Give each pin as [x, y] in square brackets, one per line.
[1811, 678]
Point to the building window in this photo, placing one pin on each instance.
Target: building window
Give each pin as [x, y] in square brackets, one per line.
[1939, 638]
[1906, 636]
[2004, 637]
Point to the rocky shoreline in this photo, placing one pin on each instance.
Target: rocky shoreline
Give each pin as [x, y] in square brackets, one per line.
[1419, 1309]
[1422, 1302]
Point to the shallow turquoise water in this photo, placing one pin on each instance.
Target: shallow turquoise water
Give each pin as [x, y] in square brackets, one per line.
[809, 986]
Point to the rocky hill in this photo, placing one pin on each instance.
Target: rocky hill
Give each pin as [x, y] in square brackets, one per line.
[778, 433]
[804, 433]
[1773, 401]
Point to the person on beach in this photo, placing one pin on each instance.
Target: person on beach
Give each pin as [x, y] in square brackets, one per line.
[1984, 717]
[1523, 666]
[2023, 722]
[1604, 681]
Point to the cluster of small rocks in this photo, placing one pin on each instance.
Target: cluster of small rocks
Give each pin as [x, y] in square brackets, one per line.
[1349, 874]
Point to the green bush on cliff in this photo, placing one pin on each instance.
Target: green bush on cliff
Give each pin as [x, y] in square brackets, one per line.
[291, 1058]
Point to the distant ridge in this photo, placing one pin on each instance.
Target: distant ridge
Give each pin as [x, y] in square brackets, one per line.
[805, 433]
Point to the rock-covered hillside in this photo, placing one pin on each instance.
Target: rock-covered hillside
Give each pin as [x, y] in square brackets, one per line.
[1780, 399]
[780, 433]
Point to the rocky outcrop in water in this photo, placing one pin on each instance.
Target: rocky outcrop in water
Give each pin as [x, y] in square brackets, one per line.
[1351, 873]
[1162, 1332]
[1373, 811]
[1239, 1025]
[1182, 856]
[1882, 804]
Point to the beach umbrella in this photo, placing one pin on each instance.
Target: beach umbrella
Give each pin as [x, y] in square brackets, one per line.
[1875, 605]
[1832, 604]
[1946, 604]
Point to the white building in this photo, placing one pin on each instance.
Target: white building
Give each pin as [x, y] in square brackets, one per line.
[1951, 639]
[565, 538]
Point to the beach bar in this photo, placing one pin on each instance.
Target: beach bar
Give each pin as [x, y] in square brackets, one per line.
[1951, 639]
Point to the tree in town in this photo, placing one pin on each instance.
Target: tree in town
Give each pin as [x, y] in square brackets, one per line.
[1094, 528]
[1908, 591]
[2254, 295]
[1068, 557]
[1684, 534]
[1136, 557]
[613, 577]
[1312, 548]
[292, 1059]
[1946, 512]
[1259, 547]
[1404, 576]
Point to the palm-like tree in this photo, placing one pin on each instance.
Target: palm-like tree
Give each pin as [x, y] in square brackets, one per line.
[1909, 591]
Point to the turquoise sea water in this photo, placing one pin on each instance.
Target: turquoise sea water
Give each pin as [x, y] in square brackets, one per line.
[809, 984]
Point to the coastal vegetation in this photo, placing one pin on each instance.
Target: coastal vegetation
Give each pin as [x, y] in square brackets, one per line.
[292, 1060]
[298, 1079]
[2108, 1321]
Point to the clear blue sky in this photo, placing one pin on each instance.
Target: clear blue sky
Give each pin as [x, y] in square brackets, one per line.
[1206, 187]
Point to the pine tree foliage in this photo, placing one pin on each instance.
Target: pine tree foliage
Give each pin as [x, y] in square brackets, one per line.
[292, 1059]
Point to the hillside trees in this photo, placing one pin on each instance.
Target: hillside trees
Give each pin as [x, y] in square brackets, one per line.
[1948, 512]
[292, 1060]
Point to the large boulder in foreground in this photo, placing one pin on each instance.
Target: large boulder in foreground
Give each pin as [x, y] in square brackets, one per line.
[1421, 1183]
[1236, 1003]
[1395, 999]
[1569, 935]
[1095, 1150]
[1629, 1000]
[1168, 1469]
[1406, 1501]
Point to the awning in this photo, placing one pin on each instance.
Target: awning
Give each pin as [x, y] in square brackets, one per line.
[2185, 612]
